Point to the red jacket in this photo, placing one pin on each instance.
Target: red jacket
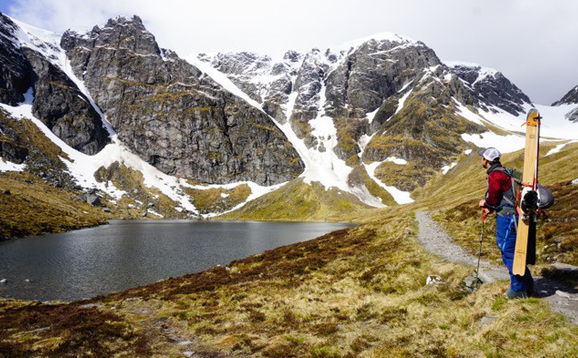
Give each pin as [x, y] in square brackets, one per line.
[498, 183]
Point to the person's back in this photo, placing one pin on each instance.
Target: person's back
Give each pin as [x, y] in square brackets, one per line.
[500, 198]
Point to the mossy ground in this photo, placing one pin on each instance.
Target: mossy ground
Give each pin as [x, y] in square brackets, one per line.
[298, 201]
[213, 200]
[457, 194]
[33, 207]
[357, 292]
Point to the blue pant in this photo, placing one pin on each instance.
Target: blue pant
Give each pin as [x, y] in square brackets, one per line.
[506, 241]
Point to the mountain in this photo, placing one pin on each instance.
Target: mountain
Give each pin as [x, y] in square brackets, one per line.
[366, 124]
[374, 104]
[570, 99]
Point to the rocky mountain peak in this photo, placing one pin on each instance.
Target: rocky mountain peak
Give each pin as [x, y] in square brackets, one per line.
[569, 98]
[292, 56]
[120, 33]
[493, 90]
[134, 21]
[172, 114]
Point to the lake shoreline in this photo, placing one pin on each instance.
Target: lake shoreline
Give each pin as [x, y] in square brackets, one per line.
[124, 254]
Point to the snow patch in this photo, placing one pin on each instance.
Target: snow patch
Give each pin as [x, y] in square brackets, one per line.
[467, 151]
[381, 36]
[483, 72]
[400, 196]
[395, 160]
[554, 124]
[6, 166]
[371, 115]
[447, 168]
[402, 102]
[151, 211]
[223, 80]
[505, 144]
[557, 149]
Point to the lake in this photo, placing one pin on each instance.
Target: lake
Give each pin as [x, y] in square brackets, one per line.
[125, 254]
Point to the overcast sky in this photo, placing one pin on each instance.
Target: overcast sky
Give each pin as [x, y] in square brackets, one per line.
[533, 42]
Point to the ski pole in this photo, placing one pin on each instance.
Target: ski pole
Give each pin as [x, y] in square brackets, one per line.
[481, 241]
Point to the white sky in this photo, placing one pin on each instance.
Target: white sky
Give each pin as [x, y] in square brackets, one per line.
[533, 42]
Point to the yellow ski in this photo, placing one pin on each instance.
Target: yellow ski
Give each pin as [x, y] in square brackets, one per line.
[529, 179]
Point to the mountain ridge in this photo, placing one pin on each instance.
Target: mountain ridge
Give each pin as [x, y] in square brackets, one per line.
[376, 118]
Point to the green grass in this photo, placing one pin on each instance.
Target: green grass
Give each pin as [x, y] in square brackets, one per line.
[33, 208]
[353, 292]
[298, 201]
[454, 199]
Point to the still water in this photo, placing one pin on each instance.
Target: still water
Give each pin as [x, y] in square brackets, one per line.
[89, 262]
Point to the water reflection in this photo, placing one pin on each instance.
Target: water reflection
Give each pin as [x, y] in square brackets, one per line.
[125, 254]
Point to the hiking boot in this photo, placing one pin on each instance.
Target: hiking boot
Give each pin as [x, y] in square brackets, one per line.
[512, 295]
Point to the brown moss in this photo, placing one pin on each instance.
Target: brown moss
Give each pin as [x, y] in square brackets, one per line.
[213, 200]
[85, 331]
[33, 208]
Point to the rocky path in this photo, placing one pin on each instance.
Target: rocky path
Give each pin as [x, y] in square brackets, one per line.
[561, 298]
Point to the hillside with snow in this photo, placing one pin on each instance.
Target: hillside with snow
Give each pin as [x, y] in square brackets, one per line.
[374, 119]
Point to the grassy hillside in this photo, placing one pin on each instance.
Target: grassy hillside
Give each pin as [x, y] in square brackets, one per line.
[33, 207]
[358, 292]
[298, 201]
[455, 196]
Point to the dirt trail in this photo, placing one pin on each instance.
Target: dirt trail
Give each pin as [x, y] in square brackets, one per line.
[560, 297]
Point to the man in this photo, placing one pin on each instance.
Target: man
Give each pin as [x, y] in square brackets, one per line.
[500, 198]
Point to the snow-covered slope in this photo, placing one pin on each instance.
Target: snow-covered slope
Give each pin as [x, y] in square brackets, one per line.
[309, 93]
[83, 167]
[377, 115]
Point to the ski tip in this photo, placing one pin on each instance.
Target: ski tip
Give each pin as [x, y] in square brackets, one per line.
[533, 117]
[533, 112]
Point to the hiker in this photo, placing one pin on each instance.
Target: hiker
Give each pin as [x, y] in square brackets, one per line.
[500, 198]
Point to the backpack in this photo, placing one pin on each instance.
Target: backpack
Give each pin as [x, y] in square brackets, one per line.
[524, 196]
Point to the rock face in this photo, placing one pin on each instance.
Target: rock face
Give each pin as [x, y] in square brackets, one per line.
[173, 115]
[60, 105]
[11, 147]
[569, 98]
[391, 89]
[57, 100]
[491, 89]
[22, 142]
[14, 68]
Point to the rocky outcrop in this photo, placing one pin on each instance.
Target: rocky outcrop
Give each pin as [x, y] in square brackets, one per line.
[57, 100]
[64, 109]
[11, 147]
[173, 115]
[569, 98]
[14, 68]
[22, 142]
[267, 82]
[375, 71]
[492, 89]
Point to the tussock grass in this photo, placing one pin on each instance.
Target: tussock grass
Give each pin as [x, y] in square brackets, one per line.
[34, 207]
[357, 292]
[298, 201]
[454, 199]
